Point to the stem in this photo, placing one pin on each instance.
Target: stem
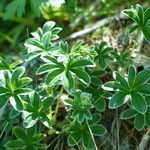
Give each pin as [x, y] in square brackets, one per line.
[117, 131]
[91, 135]
[3, 130]
[57, 105]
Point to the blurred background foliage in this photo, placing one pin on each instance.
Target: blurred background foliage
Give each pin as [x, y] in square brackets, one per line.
[19, 17]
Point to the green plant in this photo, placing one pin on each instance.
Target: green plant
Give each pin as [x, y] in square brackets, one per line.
[76, 79]
[141, 18]
[26, 139]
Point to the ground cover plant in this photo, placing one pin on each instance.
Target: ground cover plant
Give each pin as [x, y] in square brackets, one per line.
[56, 92]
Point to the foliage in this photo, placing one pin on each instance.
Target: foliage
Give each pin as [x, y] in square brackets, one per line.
[141, 18]
[75, 78]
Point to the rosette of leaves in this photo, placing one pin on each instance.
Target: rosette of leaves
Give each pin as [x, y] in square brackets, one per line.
[140, 120]
[36, 108]
[83, 51]
[66, 72]
[27, 139]
[84, 132]
[80, 106]
[41, 42]
[13, 88]
[142, 19]
[104, 54]
[134, 88]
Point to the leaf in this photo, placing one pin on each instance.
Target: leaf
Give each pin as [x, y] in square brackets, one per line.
[81, 63]
[134, 28]
[74, 138]
[144, 89]
[30, 120]
[46, 38]
[100, 104]
[128, 114]
[45, 120]
[118, 99]
[95, 119]
[17, 73]
[139, 121]
[46, 103]
[70, 80]
[46, 68]
[87, 140]
[22, 91]
[64, 47]
[131, 75]
[15, 8]
[146, 30]
[51, 76]
[35, 100]
[48, 26]
[110, 86]
[119, 78]
[16, 102]
[15, 144]
[102, 62]
[147, 117]
[32, 131]
[13, 114]
[3, 101]
[24, 81]
[98, 130]
[138, 102]
[35, 6]
[82, 75]
[20, 134]
[142, 77]
[146, 15]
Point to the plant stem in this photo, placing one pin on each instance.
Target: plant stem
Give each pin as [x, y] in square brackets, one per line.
[91, 135]
[57, 105]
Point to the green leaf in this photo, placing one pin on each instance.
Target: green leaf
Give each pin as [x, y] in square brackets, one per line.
[15, 144]
[35, 6]
[24, 81]
[30, 120]
[22, 91]
[131, 75]
[48, 26]
[100, 104]
[3, 100]
[142, 77]
[147, 117]
[119, 78]
[20, 133]
[46, 68]
[95, 119]
[32, 131]
[82, 75]
[118, 99]
[74, 138]
[51, 76]
[144, 89]
[81, 63]
[146, 15]
[146, 30]
[70, 80]
[46, 103]
[17, 73]
[15, 8]
[102, 62]
[46, 38]
[138, 102]
[134, 28]
[139, 121]
[64, 47]
[128, 114]
[111, 86]
[98, 130]
[16, 102]
[45, 120]
[13, 114]
[87, 140]
[35, 100]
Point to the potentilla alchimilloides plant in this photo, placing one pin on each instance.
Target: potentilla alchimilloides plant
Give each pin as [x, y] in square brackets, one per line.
[76, 72]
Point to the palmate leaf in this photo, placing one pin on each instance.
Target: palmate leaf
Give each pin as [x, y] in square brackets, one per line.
[15, 144]
[128, 114]
[131, 75]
